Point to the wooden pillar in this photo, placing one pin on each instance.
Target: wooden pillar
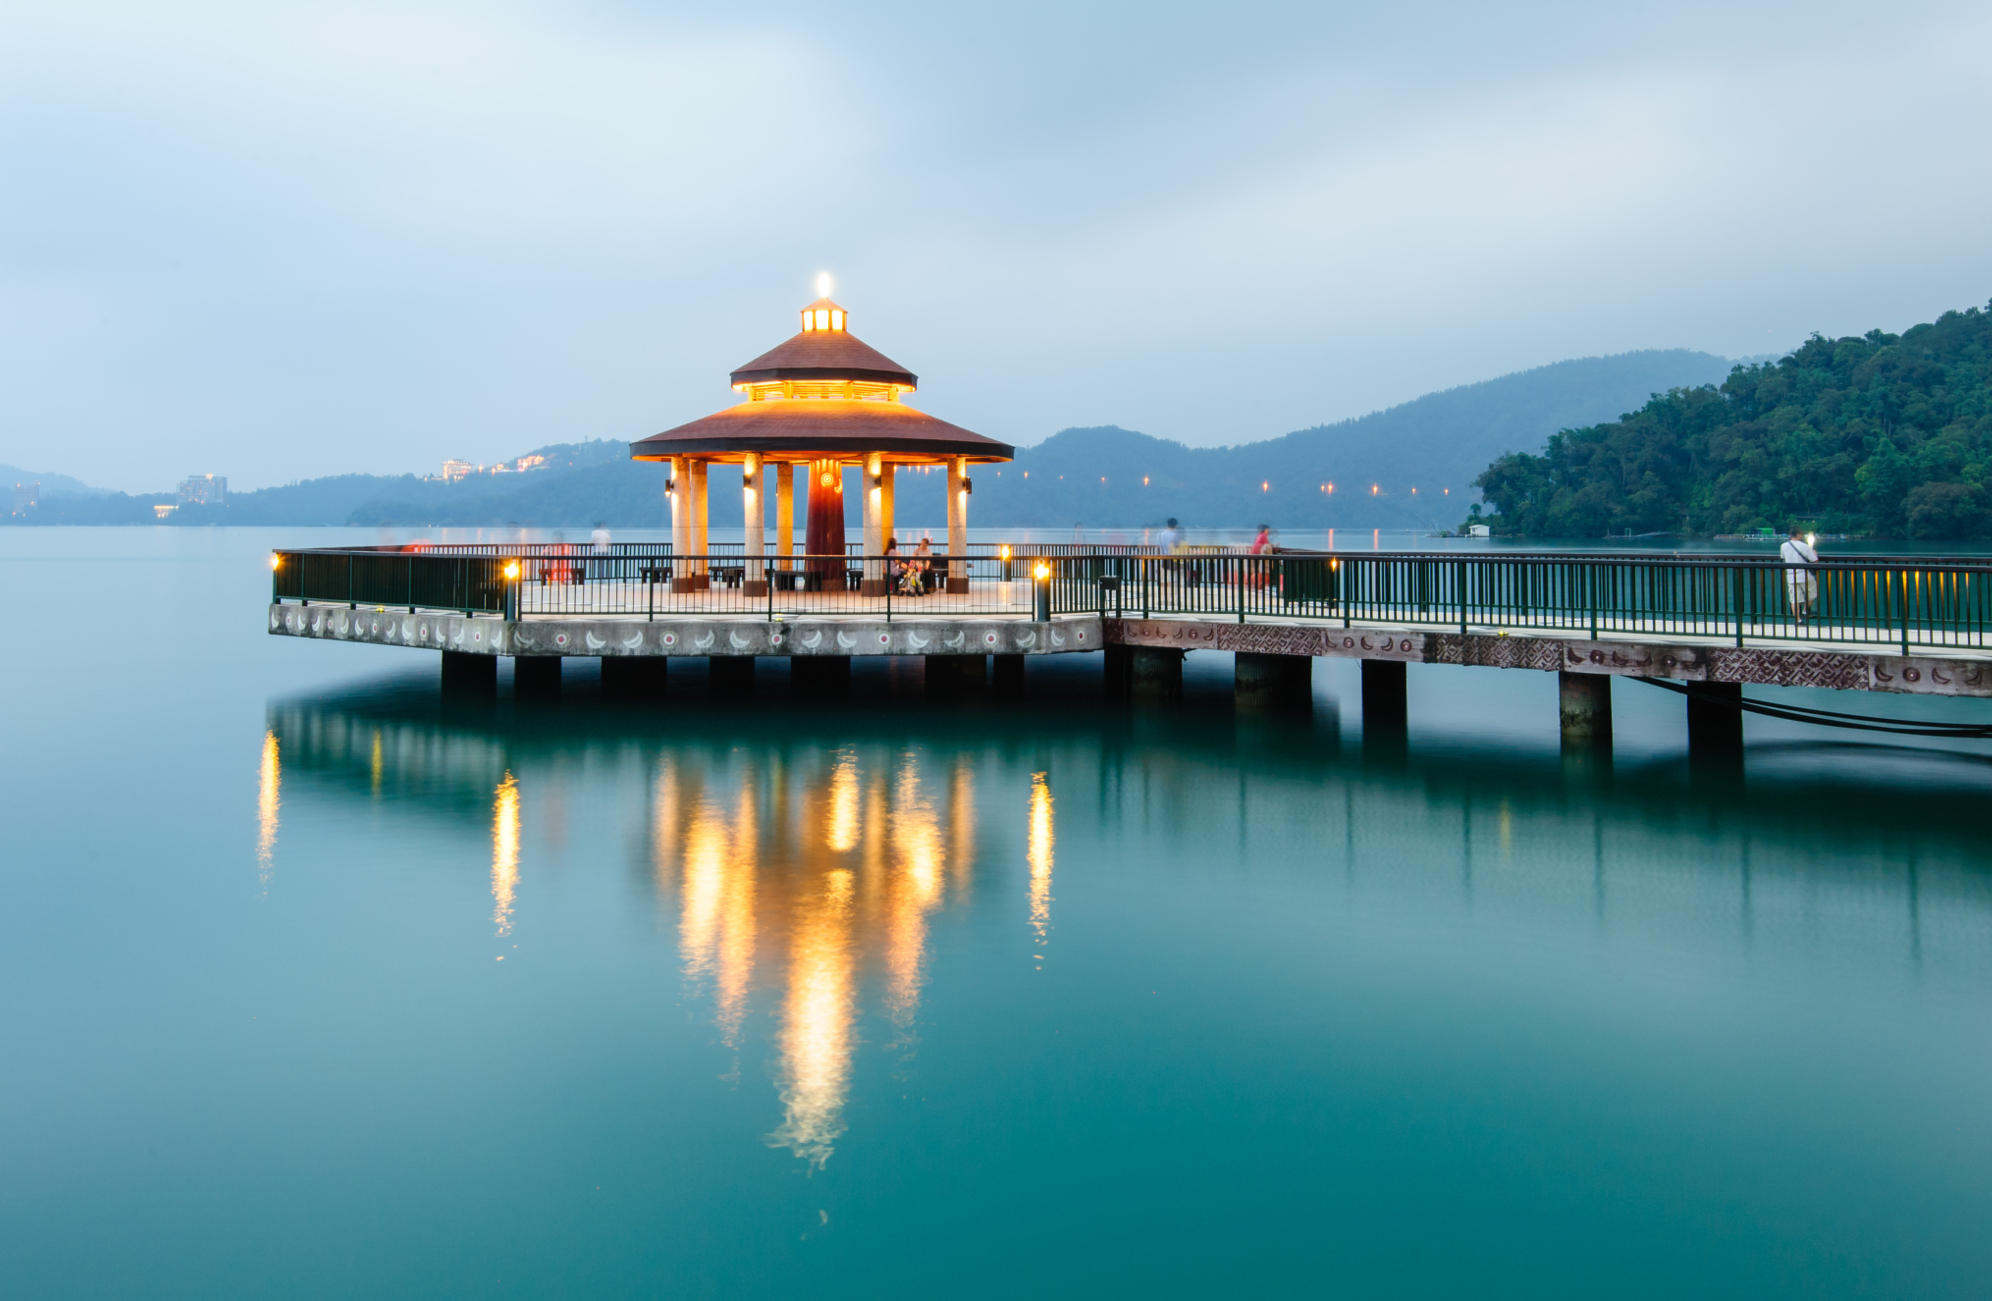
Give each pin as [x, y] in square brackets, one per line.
[681, 524]
[889, 488]
[1584, 710]
[1155, 673]
[873, 583]
[753, 571]
[784, 517]
[470, 674]
[536, 675]
[1269, 681]
[633, 677]
[958, 524]
[1383, 696]
[702, 573]
[1715, 718]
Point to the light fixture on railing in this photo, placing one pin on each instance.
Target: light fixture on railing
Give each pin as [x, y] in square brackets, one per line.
[1041, 595]
[512, 569]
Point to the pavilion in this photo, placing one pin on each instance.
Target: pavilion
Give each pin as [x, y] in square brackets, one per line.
[823, 400]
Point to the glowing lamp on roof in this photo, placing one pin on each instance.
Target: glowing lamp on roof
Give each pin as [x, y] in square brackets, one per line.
[822, 284]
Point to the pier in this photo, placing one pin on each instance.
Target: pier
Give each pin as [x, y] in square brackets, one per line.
[1718, 623]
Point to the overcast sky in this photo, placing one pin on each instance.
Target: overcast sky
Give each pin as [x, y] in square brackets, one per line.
[275, 242]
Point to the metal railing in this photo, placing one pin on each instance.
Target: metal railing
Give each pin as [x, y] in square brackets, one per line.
[1881, 601]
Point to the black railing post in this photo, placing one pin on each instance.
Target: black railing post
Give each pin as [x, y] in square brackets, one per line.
[1902, 604]
[1736, 601]
[1459, 592]
[1243, 564]
[411, 584]
[352, 603]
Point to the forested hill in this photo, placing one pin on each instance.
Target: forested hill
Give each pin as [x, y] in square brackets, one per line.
[1437, 442]
[1883, 434]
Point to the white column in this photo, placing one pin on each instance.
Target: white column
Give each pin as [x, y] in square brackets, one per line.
[681, 523]
[874, 579]
[957, 524]
[784, 515]
[701, 571]
[753, 577]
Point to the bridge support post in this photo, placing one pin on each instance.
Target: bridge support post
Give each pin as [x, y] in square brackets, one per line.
[1383, 696]
[536, 675]
[633, 677]
[470, 674]
[731, 675]
[820, 675]
[1715, 718]
[1117, 671]
[956, 675]
[1584, 710]
[1008, 671]
[1267, 681]
[1155, 673]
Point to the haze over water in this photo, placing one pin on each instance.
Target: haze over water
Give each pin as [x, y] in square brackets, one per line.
[322, 985]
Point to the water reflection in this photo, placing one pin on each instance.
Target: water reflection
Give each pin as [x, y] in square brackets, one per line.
[1040, 857]
[504, 852]
[823, 879]
[269, 798]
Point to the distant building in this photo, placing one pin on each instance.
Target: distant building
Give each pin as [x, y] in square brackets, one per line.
[163, 510]
[530, 462]
[454, 470]
[27, 496]
[204, 490]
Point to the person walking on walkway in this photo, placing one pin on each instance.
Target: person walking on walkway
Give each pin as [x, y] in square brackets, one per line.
[1801, 584]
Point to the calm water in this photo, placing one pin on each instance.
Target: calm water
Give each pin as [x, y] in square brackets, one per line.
[319, 985]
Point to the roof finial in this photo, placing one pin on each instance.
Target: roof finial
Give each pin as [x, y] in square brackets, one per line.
[822, 284]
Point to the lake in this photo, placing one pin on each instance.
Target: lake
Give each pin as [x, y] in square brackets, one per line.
[323, 984]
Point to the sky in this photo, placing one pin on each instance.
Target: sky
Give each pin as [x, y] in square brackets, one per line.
[275, 242]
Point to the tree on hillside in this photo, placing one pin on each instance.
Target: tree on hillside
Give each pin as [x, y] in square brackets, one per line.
[1881, 434]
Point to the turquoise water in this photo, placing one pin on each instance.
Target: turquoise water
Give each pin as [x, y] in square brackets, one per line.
[322, 985]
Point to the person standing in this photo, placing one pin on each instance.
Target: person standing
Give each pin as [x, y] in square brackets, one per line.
[598, 542]
[1801, 584]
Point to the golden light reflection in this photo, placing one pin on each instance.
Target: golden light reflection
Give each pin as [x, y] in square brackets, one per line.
[1038, 854]
[504, 852]
[269, 798]
[816, 1023]
[374, 765]
[914, 890]
[843, 830]
[810, 881]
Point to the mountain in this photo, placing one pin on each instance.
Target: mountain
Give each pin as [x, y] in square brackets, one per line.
[52, 485]
[1881, 434]
[1433, 444]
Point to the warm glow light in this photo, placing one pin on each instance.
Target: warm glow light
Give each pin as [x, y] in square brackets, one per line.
[816, 1034]
[836, 320]
[276, 561]
[1043, 572]
[824, 478]
[1373, 490]
[1144, 481]
[842, 833]
[1037, 853]
[822, 318]
[512, 569]
[822, 284]
[269, 796]
[1263, 485]
[504, 852]
[1004, 551]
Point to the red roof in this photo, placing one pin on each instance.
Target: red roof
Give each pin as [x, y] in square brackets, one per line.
[820, 355]
[828, 427]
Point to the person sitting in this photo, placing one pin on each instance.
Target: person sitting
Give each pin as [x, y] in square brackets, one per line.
[923, 566]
